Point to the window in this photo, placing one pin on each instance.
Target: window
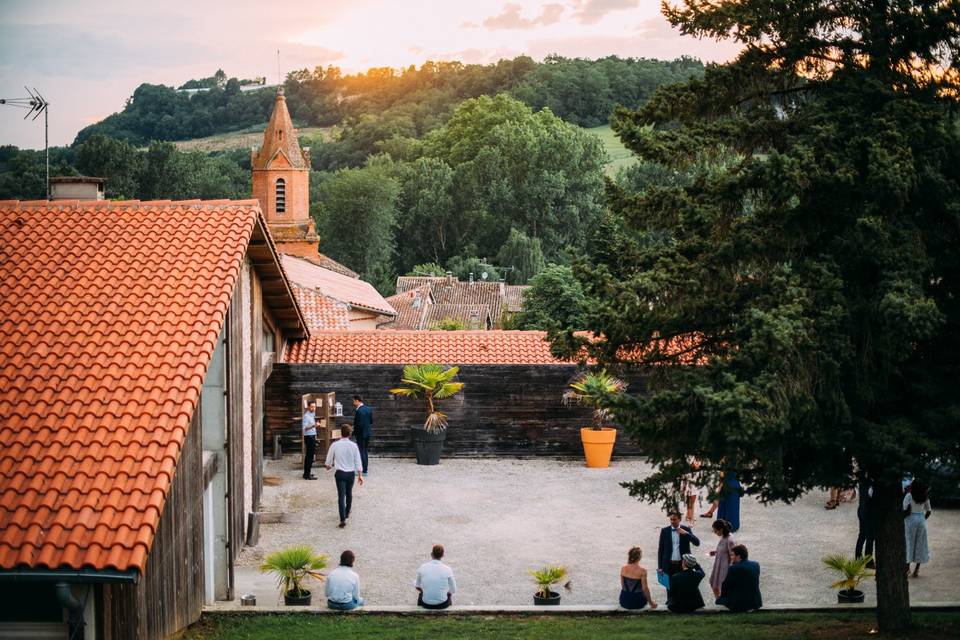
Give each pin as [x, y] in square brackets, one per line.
[281, 196]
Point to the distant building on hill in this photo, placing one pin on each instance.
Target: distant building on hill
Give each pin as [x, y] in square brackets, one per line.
[424, 302]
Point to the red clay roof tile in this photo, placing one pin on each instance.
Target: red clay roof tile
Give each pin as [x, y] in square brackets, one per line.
[108, 319]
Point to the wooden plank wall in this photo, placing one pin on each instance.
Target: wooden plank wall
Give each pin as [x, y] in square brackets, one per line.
[169, 596]
[506, 410]
[236, 516]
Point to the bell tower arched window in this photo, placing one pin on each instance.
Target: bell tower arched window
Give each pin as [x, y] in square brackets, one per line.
[281, 196]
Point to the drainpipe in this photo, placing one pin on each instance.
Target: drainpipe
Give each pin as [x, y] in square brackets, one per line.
[74, 607]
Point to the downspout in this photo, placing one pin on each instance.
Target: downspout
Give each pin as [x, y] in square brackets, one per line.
[74, 608]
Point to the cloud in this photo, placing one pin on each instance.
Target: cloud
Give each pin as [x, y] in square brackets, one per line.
[591, 11]
[510, 17]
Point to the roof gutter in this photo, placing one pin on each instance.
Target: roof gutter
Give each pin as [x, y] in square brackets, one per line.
[69, 575]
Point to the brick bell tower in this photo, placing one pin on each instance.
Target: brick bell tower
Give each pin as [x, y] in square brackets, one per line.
[281, 182]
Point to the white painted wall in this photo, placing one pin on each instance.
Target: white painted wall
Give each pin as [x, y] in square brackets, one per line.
[245, 292]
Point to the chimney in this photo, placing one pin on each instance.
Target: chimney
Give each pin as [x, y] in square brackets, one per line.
[449, 278]
[76, 188]
[471, 277]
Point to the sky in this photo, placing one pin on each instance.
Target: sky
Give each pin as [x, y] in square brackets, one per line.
[86, 57]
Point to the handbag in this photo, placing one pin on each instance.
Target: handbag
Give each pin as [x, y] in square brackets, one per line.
[663, 579]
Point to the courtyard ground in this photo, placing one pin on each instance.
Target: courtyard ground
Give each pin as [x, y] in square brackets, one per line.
[498, 518]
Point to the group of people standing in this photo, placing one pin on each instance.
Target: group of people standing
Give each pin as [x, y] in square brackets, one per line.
[734, 579]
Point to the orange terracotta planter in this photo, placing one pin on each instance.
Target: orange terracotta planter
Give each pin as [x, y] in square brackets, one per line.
[598, 445]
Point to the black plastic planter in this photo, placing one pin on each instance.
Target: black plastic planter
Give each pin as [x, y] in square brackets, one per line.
[847, 596]
[292, 600]
[427, 444]
[553, 599]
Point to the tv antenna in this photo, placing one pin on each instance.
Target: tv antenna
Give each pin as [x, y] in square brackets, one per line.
[35, 105]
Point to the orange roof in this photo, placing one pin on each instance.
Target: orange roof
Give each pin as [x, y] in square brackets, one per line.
[354, 292]
[411, 307]
[406, 347]
[321, 313]
[108, 320]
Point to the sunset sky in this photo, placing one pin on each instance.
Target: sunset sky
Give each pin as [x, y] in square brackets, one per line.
[87, 57]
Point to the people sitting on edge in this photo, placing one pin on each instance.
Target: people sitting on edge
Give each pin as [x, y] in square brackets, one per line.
[684, 594]
[741, 589]
[675, 541]
[343, 585]
[435, 584]
[634, 592]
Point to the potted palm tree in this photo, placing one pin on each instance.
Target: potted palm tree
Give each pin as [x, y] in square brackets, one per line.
[851, 571]
[292, 566]
[432, 382]
[545, 578]
[594, 389]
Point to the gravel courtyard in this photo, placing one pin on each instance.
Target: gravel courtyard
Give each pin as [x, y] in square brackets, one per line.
[498, 518]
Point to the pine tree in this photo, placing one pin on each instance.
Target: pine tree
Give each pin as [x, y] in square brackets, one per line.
[796, 302]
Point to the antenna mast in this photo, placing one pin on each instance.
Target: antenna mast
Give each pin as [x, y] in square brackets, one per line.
[35, 105]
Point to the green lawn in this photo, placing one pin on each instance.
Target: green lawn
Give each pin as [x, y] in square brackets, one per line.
[619, 155]
[759, 626]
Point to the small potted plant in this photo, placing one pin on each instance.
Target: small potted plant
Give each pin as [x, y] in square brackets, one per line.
[545, 578]
[292, 566]
[433, 382]
[852, 571]
[593, 389]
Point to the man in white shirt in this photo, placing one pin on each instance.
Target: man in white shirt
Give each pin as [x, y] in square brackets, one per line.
[345, 457]
[435, 582]
[309, 423]
[343, 585]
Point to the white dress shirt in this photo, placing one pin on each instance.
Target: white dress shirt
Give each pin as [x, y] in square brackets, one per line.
[675, 538]
[309, 423]
[344, 455]
[436, 581]
[343, 585]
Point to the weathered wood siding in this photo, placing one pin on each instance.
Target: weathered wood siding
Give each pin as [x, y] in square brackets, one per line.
[509, 410]
[169, 596]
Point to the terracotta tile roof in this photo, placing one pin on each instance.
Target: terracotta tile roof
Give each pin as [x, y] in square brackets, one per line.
[473, 316]
[513, 297]
[352, 291]
[327, 262]
[108, 319]
[492, 294]
[411, 307]
[322, 313]
[405, 347]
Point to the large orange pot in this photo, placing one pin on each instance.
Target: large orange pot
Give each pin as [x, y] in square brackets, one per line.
[598, 445]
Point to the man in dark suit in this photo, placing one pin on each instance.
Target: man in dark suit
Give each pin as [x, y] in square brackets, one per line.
[362, 428]
[741, 588]
[684, 594]
[675, 541]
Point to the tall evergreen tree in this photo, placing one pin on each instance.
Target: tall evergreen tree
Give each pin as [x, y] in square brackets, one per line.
[797, 307]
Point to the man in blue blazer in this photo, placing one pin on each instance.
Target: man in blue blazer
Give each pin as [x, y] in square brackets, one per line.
[362, 428]
[675, 541]
[741, 588]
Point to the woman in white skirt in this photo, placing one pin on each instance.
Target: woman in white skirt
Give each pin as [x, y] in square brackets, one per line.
[916, 508]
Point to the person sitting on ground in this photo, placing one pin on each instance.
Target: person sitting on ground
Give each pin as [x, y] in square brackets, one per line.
[684, 594]
[435, 584]
[343, 585]
[741, 588]
[634, 592]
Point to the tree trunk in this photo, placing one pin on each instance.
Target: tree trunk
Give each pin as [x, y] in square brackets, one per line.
[893, 595]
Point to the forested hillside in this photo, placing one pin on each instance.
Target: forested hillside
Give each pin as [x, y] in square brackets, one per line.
[473, 168]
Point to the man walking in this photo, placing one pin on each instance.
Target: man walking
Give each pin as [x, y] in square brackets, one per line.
[675, 541]
[345, 457]
[362, 428]
[309, 424]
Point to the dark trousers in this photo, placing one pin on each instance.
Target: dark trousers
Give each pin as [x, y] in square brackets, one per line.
[344, 492]
[363, 444]
[443, 605]
[672, 568]
[311, 451]
[865, 538]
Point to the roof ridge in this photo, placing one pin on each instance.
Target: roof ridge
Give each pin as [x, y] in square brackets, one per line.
[216, 202]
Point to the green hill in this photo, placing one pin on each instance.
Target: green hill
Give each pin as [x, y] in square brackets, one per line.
[619, 155]
[247, 138]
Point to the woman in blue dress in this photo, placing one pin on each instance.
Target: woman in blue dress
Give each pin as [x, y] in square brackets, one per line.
[729, 509]
[634, 590]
